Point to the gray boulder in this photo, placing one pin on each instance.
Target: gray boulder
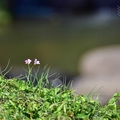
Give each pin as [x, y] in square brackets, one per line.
[102, 87]
[105, 60]
[100, 69]
[18, 72]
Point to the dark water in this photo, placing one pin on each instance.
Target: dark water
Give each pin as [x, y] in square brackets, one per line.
[58, 42]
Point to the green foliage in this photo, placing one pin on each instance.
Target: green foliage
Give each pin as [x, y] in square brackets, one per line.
[5, 18]
[20, 100]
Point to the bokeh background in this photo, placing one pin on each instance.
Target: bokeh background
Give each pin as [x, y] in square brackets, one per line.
[56, 32]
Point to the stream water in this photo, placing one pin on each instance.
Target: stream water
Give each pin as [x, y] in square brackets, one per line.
[59, 42]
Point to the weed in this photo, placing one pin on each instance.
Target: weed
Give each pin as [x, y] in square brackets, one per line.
[20, 100]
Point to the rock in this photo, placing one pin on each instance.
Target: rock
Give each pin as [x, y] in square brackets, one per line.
[104, 60]
[18, 72]
[102, 86]
[100, 69]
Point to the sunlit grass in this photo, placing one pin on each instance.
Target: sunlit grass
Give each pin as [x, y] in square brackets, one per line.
[22, 100]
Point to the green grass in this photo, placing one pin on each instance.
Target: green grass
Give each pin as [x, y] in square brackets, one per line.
[20, 100]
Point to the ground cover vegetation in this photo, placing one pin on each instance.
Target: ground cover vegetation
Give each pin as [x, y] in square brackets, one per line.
[22, 100]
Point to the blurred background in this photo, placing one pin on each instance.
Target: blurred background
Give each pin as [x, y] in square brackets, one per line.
[56, 32]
